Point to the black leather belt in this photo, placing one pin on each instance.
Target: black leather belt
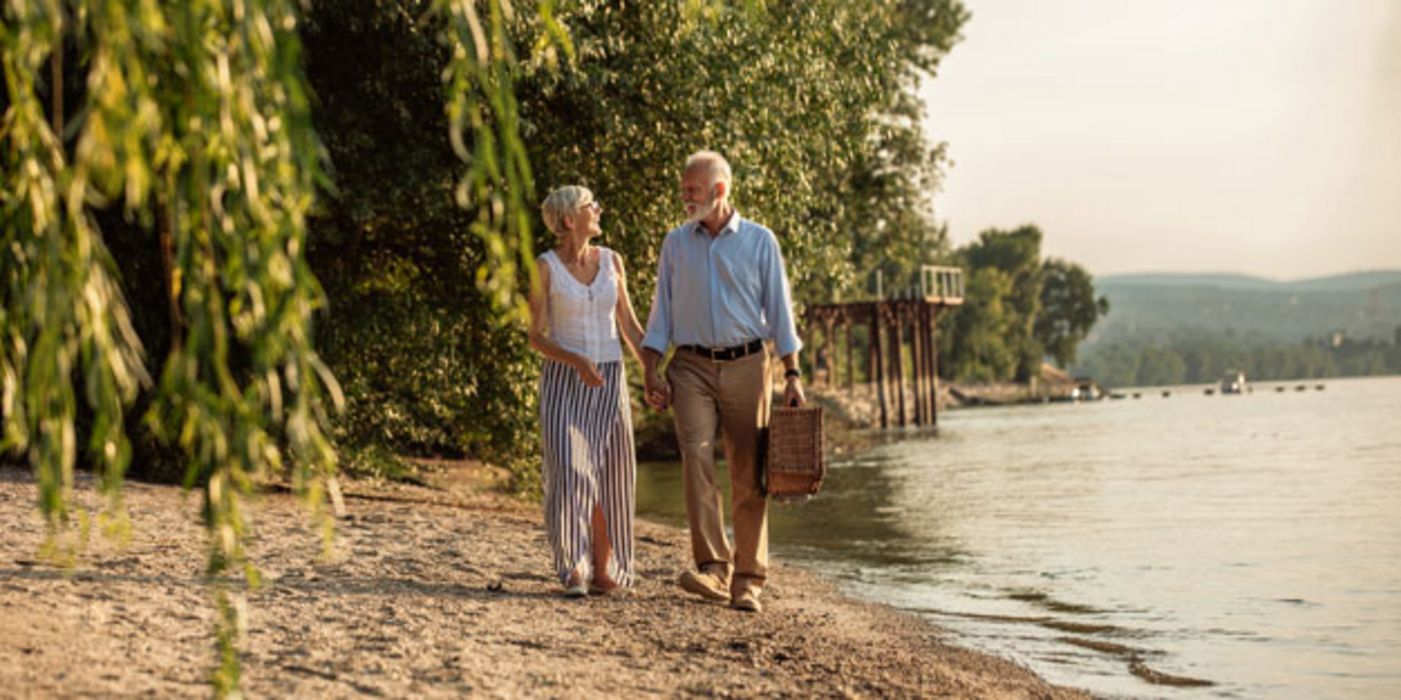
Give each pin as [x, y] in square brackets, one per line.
[723, 354]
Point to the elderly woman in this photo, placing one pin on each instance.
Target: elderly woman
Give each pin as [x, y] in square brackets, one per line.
[578, 311]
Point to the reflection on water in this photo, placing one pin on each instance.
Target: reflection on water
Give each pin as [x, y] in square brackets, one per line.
[1192, 546]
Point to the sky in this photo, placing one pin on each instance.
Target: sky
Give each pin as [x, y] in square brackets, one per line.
[1251, 136]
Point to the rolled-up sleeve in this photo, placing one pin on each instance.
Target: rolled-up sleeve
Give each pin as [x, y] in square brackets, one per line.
[658, 335]
[778, 303]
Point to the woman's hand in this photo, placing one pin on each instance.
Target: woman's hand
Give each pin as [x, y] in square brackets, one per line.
[588, 372]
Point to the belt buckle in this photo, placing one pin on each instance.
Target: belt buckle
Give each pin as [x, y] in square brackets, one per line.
[716, 354]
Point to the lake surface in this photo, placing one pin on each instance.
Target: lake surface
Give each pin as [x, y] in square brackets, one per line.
[1251, 542]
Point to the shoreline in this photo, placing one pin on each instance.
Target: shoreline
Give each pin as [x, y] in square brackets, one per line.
[851, 416]
[440, 592]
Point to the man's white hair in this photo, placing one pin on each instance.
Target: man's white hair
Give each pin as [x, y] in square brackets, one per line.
[565, 201]
[716, 169]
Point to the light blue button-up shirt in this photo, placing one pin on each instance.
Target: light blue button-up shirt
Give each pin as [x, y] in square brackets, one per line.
[723, 291]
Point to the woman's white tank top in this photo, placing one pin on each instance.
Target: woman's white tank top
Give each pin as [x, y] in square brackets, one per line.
[583, 317]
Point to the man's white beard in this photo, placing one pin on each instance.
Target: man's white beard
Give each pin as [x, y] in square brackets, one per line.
[702, 211]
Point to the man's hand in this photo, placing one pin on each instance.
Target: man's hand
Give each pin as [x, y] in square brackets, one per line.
[793, 392]
[658, 390]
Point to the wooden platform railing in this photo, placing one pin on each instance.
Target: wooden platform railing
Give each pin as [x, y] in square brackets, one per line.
[901, 344]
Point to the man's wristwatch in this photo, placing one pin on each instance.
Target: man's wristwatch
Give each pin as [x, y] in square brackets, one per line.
[792, 374]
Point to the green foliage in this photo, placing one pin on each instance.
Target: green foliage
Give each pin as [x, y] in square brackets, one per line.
[1068, 309]
[376, 462]
[62, 313]
[1018, 309]
[428, 366]
[812, 106]
[195, 118]
[976, 335]
[417, 381]
[481, 99]
[1016, 253]
[1157, 366]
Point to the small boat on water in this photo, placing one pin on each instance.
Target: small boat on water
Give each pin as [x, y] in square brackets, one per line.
[1086, 389]
[1234, 383]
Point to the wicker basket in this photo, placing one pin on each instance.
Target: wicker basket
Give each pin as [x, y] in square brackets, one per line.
[793, 466]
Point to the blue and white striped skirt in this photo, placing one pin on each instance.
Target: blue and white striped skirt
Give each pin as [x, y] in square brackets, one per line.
[588, 460]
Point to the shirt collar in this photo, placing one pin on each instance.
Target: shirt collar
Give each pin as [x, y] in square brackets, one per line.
[731, 225]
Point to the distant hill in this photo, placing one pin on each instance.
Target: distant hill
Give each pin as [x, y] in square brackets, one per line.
[1155, 308]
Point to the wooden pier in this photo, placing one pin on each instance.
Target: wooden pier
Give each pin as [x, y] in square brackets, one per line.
[901, 345]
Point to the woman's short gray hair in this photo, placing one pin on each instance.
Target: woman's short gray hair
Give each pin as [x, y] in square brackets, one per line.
[565, 201]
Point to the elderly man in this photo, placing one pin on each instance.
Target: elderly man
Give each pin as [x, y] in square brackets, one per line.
[721, 293]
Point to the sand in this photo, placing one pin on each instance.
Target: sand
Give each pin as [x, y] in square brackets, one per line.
[439, 592]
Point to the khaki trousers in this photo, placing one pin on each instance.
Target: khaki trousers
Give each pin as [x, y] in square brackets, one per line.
[733, 396]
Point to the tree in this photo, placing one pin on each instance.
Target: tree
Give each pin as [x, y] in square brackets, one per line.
[1068, 309]
[976, 344]
[812, 103]
[1040, 308]
[1017, 254]
[197, 122]
[428, 365]
[888, 211]
[194, 118]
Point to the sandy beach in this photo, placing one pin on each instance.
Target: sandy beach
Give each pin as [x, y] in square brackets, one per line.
[438, 592]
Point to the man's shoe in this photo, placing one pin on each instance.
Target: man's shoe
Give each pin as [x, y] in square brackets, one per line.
[747, 601]
[708, 586]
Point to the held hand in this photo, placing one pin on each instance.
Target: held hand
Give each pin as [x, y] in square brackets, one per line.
[658, 391]
[588, 372]
[793, 393]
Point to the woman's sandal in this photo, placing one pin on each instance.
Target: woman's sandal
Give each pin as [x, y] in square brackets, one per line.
[577, 589]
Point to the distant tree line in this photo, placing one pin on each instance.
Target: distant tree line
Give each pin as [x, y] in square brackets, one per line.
[1194, 358]
[1156, 308]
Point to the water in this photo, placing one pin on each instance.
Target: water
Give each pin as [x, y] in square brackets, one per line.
[1250, 542]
